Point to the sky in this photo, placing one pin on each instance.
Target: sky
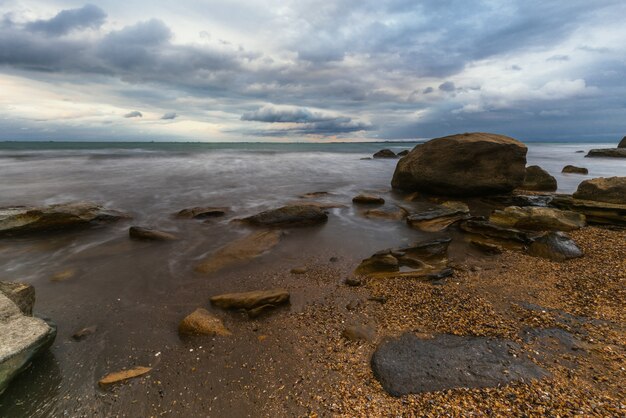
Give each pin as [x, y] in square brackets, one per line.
[301, 70]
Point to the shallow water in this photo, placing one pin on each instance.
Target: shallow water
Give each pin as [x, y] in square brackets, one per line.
[137, 292]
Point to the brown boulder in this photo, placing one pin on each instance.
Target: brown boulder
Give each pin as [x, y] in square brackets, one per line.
[368, 199]
[471, 164]
[294, 215]
[202, 322]
[538, 219]
[572, 169]
[607, 152]
[555, 246]
[538, 179]
[622, 143]
[603, 189]
[385, 153]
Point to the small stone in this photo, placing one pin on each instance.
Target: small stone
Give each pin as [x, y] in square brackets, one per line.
[202, 322]
[122, 376]
[333, 259]
[84, 333]
[299, 270]
[359, 333]
[353, 281]
[368, 199]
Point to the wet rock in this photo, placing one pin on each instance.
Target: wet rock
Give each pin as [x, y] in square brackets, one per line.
[22, 338]
[148, 234]
[299, 270]
[409, 364]
[378, 263]
[202, 212]
[473, 164]
[64, 275]
[607, 152]
[122, 376]
[368, 199]
[83, 333]
[239, 251]
[385, 153]
[572, 169]
[22, 294]
[202, 322]
[603, 189]
[403, 153]
[396, 213]
[486, 247]
[260, 310]
[519, 200]
[314, 195]
[439, 218]
[333, 259]
[498, 233]
[359, 332]
[597, 213]
[538, 219]
[65, 216]
[622, 143]
[289, 216]
[319, 205]
[555, 246]
[353, 281]
[250, 300]
[538, 179]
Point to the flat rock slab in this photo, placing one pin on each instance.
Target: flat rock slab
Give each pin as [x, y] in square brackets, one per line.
[368, 199]
[289, 216]
[538, 219]
[250, 300]
[409, 364]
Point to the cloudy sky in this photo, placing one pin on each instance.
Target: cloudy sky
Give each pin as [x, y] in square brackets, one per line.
[278, 70]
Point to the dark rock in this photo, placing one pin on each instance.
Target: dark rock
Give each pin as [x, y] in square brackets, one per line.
[333, 259]
[474, 164]
[296, 215]
[385, 153]
[607, 152]
[353, 281]
[380, 299]
[442, 274]
[439, 218]
[622, 143]
[409, 364]
[555, 246]
[403, 153]
[519, 200]
[359, 332]
[572, 169]
[603, 189]
[580, 151]
[149, 234]
[538, 179]
[202, 322]
[22, 294]
[538, 219]
[488, 230]
[83, 333]
[597, 213]
[299, 270]
[368, 199]
[65, 216]
[250, 300]
[201, 212]
[260, 310]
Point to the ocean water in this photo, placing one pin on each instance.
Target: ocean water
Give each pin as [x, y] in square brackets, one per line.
[137, 292]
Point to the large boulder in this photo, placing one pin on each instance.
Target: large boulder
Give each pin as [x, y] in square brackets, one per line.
[572, 169]
[603, 189]
[385, 153]
[607, 152]
[555, 246]
[25, 219]
[538, 179]
[294, 215]
[22, 337]
[622, 143]
[538, 219]
[471, 164]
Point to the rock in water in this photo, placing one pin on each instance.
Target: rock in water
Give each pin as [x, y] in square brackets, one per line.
[23, 219]
[403, 153]
[439, 218]
[296, 215]
[607, 152]
[201, 212]
[22, 338]
[368, 199]
[250, 300]
[622, 143]
[240, 250]
[538, 219]
[603, 189]
[409, 364]
[202, 322]
[122, 376]
[538, 179]
[472, 164]
[572, 169]
[385, 153]
[555, 246]
[149, 234]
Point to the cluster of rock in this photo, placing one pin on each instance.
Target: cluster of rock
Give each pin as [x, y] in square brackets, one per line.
[619, 152]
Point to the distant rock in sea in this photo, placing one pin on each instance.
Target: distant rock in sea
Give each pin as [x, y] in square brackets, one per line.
[622, 143]
[607, 152]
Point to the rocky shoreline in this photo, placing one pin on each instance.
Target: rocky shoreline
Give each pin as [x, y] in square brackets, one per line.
[529, 317]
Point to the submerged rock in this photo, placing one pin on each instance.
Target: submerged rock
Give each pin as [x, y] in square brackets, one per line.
[368, 199]
[83, 333]
[472, 164]
[538, 219]
[250, 300]
[241, 250]
[555, 246]
[607, 152]
[385, 153]
[148, 234]
[202, 212]
[439, 218]
[202, 322]
[288, 216]
[603, 189]
[572, 169]
[25, 219]
[396, 213]
[22, 338]
[122, 376]
[598, 213]
[409, 364]
[538, 179]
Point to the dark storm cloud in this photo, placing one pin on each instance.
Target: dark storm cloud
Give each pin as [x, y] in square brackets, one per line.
[169, 116]
[447, 86]
[88, 16]
[274, 114]
[134, 114]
